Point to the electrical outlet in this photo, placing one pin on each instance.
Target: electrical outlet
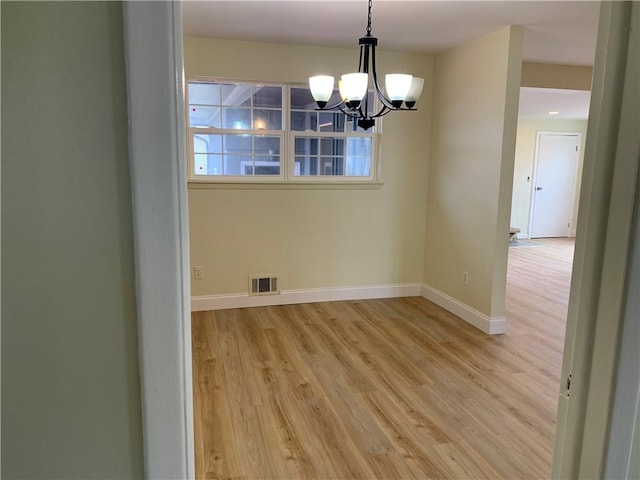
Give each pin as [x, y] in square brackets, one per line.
[198, 272]
[465, 278]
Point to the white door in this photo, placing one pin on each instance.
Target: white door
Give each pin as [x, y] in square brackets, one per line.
[554, 184]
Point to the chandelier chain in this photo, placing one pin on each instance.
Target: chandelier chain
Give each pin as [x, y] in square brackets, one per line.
[369, 19]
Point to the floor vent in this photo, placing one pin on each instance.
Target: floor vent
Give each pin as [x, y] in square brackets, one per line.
[263, 285]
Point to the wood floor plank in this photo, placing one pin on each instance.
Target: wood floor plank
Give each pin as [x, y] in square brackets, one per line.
[414, 447]
[283, 435]
[391, 466]
[384, 388]
[365, 432]
[214, 433]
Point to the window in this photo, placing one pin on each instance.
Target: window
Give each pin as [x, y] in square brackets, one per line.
[327, 143]
[236, 129]
[257, 132]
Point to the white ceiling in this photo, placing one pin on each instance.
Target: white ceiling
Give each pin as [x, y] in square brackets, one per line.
[538, 102]
[558, 31]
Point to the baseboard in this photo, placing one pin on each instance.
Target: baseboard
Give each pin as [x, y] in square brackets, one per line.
[491, 326]
[522, 236]
[289, 297]
[470, 315]
[572, 232]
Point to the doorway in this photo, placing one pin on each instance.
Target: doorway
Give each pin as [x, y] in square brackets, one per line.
[555, 170]
[167, 435]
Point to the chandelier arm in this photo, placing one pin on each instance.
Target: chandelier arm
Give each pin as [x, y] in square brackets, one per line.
[383, 111]
[385, 101]
[348, 113]
[330, 107]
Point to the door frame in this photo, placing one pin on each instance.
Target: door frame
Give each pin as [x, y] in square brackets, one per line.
[158, 168]
[602, 266]
[155, 88]
[534, 176]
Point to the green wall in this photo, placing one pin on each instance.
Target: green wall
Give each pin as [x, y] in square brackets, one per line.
[70, 386]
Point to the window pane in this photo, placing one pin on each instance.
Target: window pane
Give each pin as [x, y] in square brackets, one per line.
[267, 166]
[307, 165]
[304, 121]
[301, 99]
[332, 146]
[358, 166]
[351, 125]
[238, 144]
[267, 145]
[306, 146]
[332, 166]
[359, 146]
[204, 143]
[200, 116]
[267, 119]
[267, 96]
[331, 122]
[204, 93]
[335, 98]
[236, 95]
[207, 164]
[238, 165]
[236, 118]
[359, 156]
[338, 156]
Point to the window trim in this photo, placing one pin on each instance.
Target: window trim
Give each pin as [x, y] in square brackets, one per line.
[287, 151]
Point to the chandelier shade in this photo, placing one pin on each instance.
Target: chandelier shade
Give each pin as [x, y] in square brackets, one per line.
[402, 90]
[397, 85]
[353, 87]
[414, 92]
[321, 87]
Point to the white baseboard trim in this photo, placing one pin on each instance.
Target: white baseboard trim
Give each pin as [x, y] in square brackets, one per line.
[522, 236]
[491, 326]
[572, 232]
[289, 297]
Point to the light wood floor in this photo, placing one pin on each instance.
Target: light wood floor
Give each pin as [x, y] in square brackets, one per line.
[394, 388]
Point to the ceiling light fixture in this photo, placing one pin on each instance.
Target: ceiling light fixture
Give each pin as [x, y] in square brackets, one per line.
[554, 113]
[402, 90]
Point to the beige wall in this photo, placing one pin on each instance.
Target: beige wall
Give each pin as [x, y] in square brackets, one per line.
[476, 88]
[523, 170]
[544, 75]
[313, 238]
[70, 387]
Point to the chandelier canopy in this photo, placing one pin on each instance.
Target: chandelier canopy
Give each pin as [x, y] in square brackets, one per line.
[402, 90]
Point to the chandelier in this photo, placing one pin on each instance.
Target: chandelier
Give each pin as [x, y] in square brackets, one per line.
[402, 90]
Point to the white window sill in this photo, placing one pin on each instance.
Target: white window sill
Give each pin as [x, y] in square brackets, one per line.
[287, 185]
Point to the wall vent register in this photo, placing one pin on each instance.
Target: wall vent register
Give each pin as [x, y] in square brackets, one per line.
[263, 285]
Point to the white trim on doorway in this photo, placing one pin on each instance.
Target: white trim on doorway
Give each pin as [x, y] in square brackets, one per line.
[153, 51]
